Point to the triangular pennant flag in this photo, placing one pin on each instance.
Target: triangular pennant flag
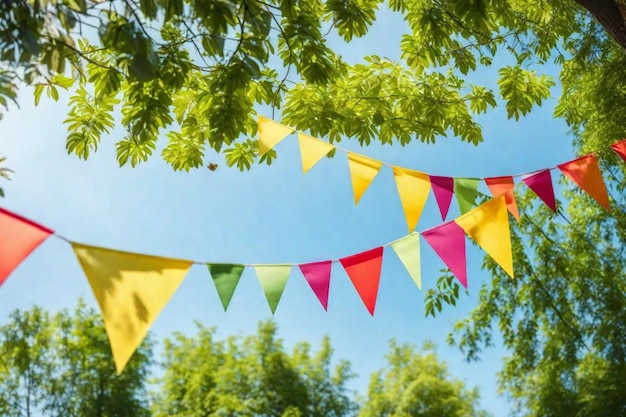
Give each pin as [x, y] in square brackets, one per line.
[131, 290]
[448, 241]
[18, 238]
[541, 184]
[620, 149]
[363, 269]
[273, 279]
[270, 133]
[312, 150]
[317, 274]
[488, 226]
[443, 188]
[413, 188]
[585, 172]
[408, 250]
[504, 185]
[226, 277]
[466, 190]
[362, 170]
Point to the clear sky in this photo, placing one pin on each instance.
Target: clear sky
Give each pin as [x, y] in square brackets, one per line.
[269, 215]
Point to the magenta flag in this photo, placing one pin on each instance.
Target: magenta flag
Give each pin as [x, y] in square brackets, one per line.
[448, 241]
[317, 274]
[443, 188]
[541, 183]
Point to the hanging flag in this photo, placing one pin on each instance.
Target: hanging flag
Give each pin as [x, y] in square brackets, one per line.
[443, 188]
[273, 279]
[541, 184]
[408, 250]
[270, 133]
[19, 237]
[317, 274]
[620, 149]
[312, 150]
[131, 290]
[506, 186]
[488, 226]
[225, 277]
[448, 241]
[466, 190]
[362, 170]
[585, 172]
[413, 188]
[363, 269]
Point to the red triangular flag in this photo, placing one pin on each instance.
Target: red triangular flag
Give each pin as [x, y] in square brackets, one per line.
[363, 269]
[448, 241]
[585, 172]
[620, 149]
[317, 275]
[18, 238]
[541, 183]
[504, 185]
[443, 188]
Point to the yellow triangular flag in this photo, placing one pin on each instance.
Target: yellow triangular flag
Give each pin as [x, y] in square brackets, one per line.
[413, 188]
[312, 150]
[362, 170]
[270, 133]
[488, 226]
[131, 290]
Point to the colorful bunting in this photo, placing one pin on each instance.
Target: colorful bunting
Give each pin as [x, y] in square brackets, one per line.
[541, 184]
[413, 188]
[466, 190]
[506, 186]
[363, 170]
[270, 133]
[312, 150]
[488, 226]
[620, 149]
[363, 269]
[225, 277]
[443, 188]
[131, 290]
[585, 173]
[448, 241]
[408, 250]
[273, 279]
[317, 274]
[18, 238]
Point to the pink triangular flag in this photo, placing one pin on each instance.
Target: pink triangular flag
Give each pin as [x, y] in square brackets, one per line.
[448, 241]
[317, 275]
[443, 188]
[541, 183]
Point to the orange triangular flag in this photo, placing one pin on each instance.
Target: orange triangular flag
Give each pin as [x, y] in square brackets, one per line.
[312, 150]
[488, 226]
[504, 185]
[413, 188]
[620, 149]
[585, 172]
[18, 238]
[270, 133]
[362, 170]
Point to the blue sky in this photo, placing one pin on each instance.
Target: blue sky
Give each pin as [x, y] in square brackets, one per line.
[269, 215]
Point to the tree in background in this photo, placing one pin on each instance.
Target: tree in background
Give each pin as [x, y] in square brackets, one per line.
[61, 365]
[4, 173]
[417, 384]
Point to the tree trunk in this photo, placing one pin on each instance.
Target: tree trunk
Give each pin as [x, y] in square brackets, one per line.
[611, 14]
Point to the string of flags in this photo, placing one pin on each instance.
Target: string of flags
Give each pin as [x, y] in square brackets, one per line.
[414, 186]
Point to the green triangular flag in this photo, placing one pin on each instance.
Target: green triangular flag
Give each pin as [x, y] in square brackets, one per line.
[466, 190]
[273, 279]
[408, 250]
[226, 277]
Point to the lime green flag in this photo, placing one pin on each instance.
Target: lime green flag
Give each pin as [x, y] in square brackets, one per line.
[273, 279]
[225, 277]
[408, 250]
[466, 191]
